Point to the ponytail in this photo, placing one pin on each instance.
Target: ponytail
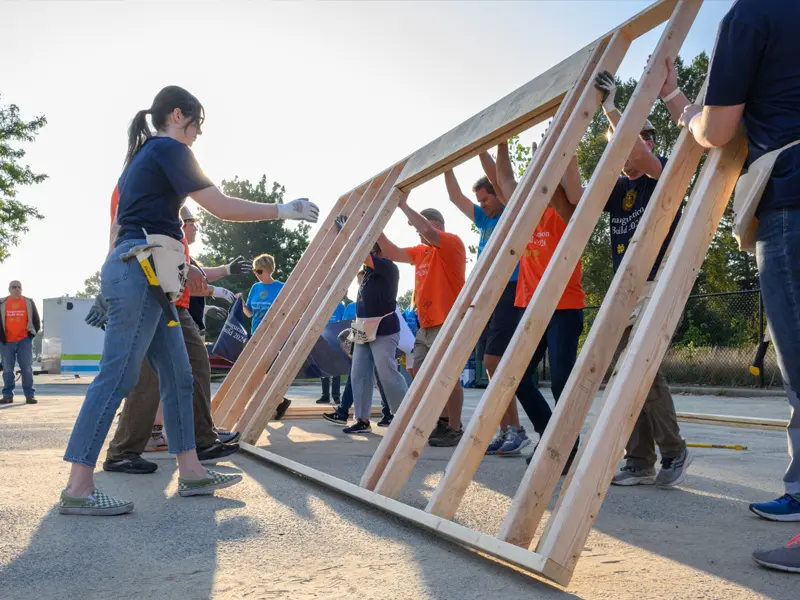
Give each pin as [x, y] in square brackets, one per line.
[167, 100]
[138, 133]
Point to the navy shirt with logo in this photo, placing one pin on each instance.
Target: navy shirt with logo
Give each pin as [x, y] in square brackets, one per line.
[154, 186]
[625, 207]
[377, 295]
[756, 62]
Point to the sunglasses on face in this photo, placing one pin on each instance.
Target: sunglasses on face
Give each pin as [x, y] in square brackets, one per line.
[258, 271]
[15, 287]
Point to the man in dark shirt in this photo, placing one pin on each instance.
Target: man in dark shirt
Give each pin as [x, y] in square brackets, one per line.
[657, 423]
[755, 78]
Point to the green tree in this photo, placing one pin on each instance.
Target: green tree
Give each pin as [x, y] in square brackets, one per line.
[91, 287]
[224, 240]
[404, 301]
[14, 215]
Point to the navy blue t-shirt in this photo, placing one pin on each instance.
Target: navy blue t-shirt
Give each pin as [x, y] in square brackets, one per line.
[756, 62]
[154, 186]
[626, 207]
[377, 295]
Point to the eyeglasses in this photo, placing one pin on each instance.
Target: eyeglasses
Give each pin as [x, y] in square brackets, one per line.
[258, 271]
[15, 287]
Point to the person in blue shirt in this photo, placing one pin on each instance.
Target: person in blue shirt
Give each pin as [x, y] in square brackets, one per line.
[263, 293]
[497, 335]
[349, 312]
[754, 77]
[160, 172]
[338, 315]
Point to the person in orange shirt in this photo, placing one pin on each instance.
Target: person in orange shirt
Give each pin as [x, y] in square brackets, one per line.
[19, 323]
[562, 335]
[441, 263]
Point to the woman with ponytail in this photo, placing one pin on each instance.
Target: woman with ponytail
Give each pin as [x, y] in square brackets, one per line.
[160, 173]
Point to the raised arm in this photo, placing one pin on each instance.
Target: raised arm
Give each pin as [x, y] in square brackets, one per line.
[421, 224]
[571, 182]
[671, 95]
[641, 158]
[391, 251]
[506, 182]
[457, 197]
[228, 208]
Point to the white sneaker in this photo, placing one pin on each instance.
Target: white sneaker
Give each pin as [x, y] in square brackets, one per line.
[156, 443]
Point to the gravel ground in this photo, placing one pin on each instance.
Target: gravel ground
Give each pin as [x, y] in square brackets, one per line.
[278, 536]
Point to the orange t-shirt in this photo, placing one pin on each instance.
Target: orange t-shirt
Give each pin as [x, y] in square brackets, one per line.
[16, 319]
[439, 277]
[183, 301]
[535, 259]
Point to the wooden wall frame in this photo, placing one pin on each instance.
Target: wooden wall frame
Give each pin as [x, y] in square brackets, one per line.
[275, 354]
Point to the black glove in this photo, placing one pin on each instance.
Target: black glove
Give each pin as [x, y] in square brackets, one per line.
[215, 312]
[237, 266]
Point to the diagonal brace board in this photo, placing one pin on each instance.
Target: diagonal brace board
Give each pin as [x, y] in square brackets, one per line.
[447, 372]
[412, 398]
[579, 393]
[286, 327]
[570, 525]
[309, 328]
[247, 363]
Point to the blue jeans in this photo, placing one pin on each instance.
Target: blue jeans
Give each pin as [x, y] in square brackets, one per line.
[778, 256]
[137, 329]
[560, 341]
[21, 353]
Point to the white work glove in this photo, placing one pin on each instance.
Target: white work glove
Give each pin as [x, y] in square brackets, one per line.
[221, 292]
[300, 210]
[606, 84]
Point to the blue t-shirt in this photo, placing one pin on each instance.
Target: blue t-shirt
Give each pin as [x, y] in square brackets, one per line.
[485, 225]
[377, 295]
[338, 313]
[756, 62]
[154, 186]
[260, 298]
[411, 319]
[349, 312]
[626, 206]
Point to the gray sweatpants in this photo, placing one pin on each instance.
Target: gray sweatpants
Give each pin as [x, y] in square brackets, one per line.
[376, 356]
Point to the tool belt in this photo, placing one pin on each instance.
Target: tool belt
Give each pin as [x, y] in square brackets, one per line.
[364, 330]
[169, 262]
[749, 189]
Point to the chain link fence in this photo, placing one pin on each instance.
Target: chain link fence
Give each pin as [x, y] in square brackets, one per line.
[715, 342]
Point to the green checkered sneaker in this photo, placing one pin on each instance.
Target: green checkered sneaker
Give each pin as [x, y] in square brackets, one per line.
[212, 481]
[96, 504]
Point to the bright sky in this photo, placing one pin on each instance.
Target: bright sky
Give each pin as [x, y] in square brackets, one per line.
[318, 96]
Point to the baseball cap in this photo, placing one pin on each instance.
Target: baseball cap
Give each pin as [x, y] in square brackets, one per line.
[186, 214]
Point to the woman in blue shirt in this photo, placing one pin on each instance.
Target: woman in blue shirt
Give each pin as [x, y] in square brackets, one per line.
[160, 172]
[263, 293]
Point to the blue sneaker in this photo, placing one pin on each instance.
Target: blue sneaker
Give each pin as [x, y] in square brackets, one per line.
[497, 442]
[785, 508]
[515, 441]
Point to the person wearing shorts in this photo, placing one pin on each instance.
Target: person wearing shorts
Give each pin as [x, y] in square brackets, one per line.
[440, 263]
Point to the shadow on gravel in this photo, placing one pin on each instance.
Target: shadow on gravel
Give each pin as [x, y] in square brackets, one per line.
[704, 524]
[166, 542]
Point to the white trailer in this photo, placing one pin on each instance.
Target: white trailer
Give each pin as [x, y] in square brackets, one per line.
[69, 344]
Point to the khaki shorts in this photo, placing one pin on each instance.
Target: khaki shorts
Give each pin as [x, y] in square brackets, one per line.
[423, 343]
